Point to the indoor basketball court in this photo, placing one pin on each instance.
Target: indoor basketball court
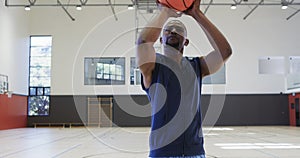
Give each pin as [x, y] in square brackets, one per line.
[70, 84]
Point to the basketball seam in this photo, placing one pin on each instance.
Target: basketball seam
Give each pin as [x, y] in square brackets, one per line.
[183, 1]
[169, 4]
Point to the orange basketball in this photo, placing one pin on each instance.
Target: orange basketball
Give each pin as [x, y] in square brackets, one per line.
[179, 5]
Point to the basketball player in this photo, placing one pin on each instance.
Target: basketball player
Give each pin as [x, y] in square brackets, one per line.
[173, 82]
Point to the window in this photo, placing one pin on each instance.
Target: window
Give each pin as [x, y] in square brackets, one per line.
[39, 75]
[104, 71]
[217, 78]
[135, 74]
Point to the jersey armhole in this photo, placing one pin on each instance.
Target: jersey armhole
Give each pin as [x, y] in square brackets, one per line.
[199, 65]
[154, 75]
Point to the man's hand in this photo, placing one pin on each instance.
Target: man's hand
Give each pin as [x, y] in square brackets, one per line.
[193, 10]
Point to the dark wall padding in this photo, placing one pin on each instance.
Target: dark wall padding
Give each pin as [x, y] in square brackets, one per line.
[235, 110]
[63, 110]
[252, 109]
[131, 111]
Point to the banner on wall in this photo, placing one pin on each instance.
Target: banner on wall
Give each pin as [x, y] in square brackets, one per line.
[294, 64]
[271, 65]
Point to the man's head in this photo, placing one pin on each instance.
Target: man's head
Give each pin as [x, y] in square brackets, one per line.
[174, 34]
[176, 26]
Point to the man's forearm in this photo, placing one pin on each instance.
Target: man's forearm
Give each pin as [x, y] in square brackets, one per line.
[152, 31]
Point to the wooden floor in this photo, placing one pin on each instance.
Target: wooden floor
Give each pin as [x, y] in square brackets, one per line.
[81, 142]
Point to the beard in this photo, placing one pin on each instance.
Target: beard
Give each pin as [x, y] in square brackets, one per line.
[175, 45]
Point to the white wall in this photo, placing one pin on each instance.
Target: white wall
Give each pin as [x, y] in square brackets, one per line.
[14, 46]
[96, 33]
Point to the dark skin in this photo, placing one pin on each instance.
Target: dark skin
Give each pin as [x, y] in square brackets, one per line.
[173, 39]
[172, 42]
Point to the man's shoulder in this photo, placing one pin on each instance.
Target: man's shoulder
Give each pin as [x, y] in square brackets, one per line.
[161, 58]
[159, 55]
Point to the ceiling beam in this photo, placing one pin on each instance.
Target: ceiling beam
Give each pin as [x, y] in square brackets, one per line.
[261, 2]
[63, 7]
[206, 9]
[113, 10]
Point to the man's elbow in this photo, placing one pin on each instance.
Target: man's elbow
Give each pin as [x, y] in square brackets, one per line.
[140, 41]
[227, 52]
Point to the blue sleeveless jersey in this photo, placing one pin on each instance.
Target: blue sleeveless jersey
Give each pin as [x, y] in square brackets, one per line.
[174, 95]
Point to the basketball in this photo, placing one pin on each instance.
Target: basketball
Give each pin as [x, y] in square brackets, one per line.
[179, 5]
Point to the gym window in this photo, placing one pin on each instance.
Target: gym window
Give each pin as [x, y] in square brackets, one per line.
[135, 73]
[39, 75]
[217, 78]
[104, 71]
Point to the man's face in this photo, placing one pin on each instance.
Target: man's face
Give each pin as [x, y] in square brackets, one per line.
[174, 36]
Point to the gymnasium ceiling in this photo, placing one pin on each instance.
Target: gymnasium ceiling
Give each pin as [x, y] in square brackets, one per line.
[150, 5]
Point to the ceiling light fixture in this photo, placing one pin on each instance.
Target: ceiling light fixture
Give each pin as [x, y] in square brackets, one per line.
[130, 7]
[233, 6]
[78, 7]
[284, 6]
[27, 8]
